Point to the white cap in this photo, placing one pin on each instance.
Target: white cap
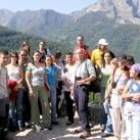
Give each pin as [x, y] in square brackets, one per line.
[103, 41]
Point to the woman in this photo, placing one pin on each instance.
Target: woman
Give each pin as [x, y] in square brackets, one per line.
[119, 79]
[15, 77]
[132, 105]
[51, 72]
[36, 78]
[106, 71]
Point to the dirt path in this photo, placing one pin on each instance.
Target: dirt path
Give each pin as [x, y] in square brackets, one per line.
[60, 132]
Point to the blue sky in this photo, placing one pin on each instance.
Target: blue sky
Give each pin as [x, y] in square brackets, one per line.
[63, 6]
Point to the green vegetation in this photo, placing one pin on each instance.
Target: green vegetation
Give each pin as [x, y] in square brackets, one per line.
[11, 40]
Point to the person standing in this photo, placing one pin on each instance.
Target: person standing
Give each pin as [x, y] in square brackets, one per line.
[3, 96]
[44, 51]
[84, 74]
[131, 94]
[97, 54]
[68, 76]
[36, 78]
[52, 73]
[80, 44]
[15, 77]
[24, 99]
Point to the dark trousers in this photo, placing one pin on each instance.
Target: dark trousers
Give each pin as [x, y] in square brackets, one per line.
[3, 118]
[26, 106]
[69, 106]
[81, 96]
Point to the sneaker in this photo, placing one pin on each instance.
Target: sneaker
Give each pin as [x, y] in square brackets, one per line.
[38, 128]
[27, 125]
[85, 134]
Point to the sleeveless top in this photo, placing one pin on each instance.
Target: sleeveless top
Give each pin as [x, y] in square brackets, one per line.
[13, 72]
[134, 88]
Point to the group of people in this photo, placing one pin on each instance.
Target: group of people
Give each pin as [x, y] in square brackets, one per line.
[31, 85]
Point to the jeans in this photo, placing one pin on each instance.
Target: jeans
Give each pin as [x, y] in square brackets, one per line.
[69, 106]
[53, 95]
[133, 126]
[103, 115]
[16, 109]
[81, 100]
[108, 126]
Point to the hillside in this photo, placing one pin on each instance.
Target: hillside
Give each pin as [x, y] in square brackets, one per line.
[12, 40]
[116, 20]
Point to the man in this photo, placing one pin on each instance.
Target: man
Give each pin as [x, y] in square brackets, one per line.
[3, 95]
[80, 44]
[68, 80]
[43, 51]
[84, 74]
[23, 99]
[97, 54]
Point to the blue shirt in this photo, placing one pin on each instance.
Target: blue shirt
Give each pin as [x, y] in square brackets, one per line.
[51, 73]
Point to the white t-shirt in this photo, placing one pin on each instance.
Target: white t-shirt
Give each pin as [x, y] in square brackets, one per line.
[68, 76]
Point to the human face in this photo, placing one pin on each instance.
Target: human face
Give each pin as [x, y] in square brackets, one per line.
[69, 59]
[48, 61]
[103, 47]
[27, 48]
[107, 57]
[13, 58]
[3, 59]
[36, 57]
[80, 41]
[122, 64]
[133, 73]
[41, 45]
[22, 56]
[80, 55]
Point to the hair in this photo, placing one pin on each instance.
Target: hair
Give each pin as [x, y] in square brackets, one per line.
[110, 53]
[81, 36]
[57, 55]
[16, 54]
[130, 59]
[25, 43]
[69, 53]
[23, 50]
[4, 52]
[51, 60]
[42, 42]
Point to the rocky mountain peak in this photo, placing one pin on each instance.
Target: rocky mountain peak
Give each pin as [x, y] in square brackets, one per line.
[121, 10]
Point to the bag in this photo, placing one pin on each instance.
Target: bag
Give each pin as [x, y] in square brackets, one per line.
[94, 85]
[114, 84]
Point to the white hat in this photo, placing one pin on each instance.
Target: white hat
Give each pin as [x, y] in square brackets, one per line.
[103, 41]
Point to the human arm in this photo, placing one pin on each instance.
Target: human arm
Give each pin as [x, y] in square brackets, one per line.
[28, 81]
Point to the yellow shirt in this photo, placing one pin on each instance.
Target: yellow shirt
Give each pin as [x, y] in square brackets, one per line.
[96, 56]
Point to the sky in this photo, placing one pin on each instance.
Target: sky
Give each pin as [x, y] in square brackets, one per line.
[62, 6]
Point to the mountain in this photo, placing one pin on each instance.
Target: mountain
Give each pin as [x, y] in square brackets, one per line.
[12, 40]
[40, 23]
[116, 20]
[123, 11]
